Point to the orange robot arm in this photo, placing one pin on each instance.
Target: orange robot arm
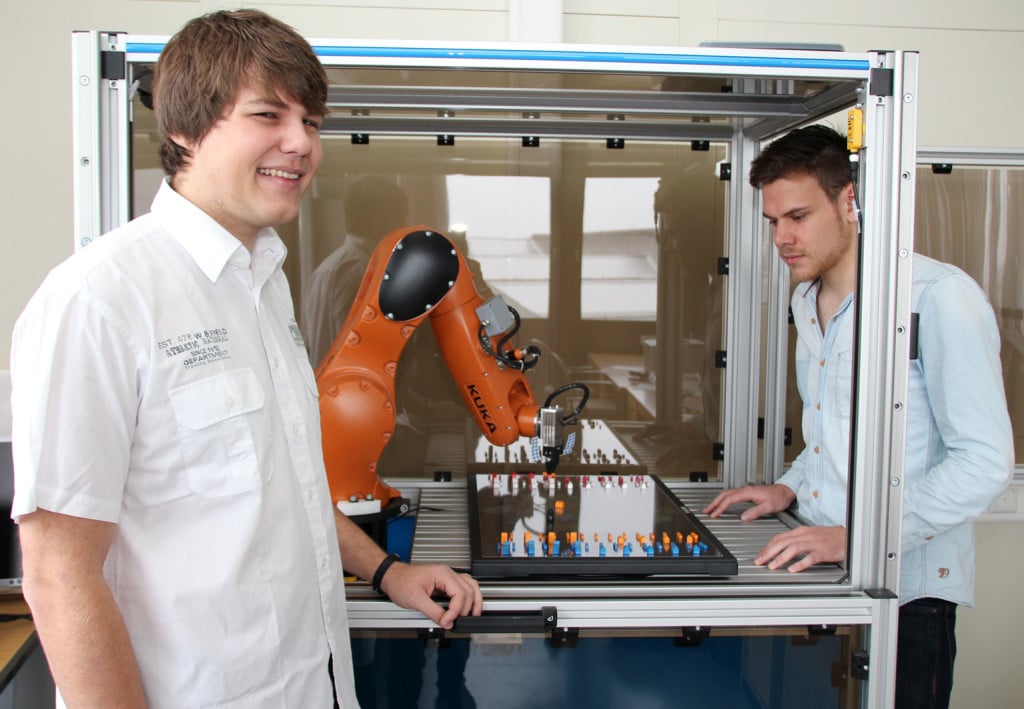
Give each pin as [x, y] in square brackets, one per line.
[413, 274]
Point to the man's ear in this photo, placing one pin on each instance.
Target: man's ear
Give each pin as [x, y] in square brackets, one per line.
[848, 203]
[182, 142]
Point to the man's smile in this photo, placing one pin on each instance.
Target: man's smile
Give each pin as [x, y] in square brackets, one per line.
[274, 172]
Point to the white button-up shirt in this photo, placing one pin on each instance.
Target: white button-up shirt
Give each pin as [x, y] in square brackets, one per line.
[160, 382]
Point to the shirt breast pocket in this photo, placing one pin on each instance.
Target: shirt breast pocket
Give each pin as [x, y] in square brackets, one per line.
[217, 444]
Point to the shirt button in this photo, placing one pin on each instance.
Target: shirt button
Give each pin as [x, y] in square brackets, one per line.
[814, 321]
[822, 363]
[816, 449]
[229, 402]
[815, 493]
[323, 562]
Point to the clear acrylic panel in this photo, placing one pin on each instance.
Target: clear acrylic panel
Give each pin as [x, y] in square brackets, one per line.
[608, 249]
[610, 256]
[767, 667]
[973, 217]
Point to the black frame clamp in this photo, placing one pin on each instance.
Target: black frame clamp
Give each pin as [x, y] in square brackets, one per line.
[543, 620]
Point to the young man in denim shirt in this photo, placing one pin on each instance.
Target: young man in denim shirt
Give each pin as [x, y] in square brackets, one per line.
[959, 442]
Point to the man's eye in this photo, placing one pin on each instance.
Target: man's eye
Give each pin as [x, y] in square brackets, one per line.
[312, 124]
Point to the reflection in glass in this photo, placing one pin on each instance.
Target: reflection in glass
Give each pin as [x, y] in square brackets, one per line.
[574, 525]
[620, 259]
[506, 222]
[973, 218]
[650, 255]
[373, 207]
[610, 257]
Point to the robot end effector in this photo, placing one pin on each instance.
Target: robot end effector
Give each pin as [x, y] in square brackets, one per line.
[498, 319]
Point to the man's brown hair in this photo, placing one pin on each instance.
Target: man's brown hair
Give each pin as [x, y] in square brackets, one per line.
[816, 150]
[204, 66]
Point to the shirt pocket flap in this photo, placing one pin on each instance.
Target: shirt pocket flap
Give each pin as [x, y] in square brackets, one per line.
[203, 403]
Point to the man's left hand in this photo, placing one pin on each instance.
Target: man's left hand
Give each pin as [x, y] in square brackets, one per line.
[816, 544]
[412, 585]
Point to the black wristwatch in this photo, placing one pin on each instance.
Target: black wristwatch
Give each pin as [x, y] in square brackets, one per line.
[378, 575]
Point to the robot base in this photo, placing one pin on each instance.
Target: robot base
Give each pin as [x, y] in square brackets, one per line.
[375, 524]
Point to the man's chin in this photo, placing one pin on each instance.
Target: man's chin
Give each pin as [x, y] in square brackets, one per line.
[800, 272]
[277, 217]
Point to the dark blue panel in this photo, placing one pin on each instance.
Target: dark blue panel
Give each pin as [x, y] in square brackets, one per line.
[650, 672]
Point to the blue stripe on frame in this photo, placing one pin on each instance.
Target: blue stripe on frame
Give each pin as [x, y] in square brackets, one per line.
[552, 55]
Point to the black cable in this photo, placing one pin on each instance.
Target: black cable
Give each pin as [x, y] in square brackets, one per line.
[413, 510]
[855, 383]
[530, 353]
[573, 417]
[855, 179]
[7, 617]
[508, 335]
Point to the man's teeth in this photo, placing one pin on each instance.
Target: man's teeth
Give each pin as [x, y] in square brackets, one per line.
[278, 173]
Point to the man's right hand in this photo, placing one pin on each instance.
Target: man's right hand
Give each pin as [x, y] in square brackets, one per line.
[767, 499]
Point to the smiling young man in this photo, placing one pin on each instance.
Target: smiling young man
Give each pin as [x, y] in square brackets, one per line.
[959, 443]
[253, 166]
[180, 546]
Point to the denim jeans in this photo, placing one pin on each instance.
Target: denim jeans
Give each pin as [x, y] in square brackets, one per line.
[925, 651]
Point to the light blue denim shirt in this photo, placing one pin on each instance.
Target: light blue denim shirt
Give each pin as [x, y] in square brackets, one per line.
[959, 440]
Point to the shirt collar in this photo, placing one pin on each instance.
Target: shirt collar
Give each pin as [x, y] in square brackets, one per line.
[809, 295]
[209, 244]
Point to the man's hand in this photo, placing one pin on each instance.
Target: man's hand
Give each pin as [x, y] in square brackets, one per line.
[817, 544]
[412, 585]
[409, 585]
[767, 499]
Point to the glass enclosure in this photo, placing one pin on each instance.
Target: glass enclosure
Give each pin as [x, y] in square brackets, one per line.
[604, 199]
[601, 244]
[973, 217]
[607, 247]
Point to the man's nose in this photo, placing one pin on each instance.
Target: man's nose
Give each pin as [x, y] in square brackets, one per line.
[781, 235]
[298, 138]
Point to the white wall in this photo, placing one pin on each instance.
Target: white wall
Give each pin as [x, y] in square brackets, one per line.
[969, 96]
